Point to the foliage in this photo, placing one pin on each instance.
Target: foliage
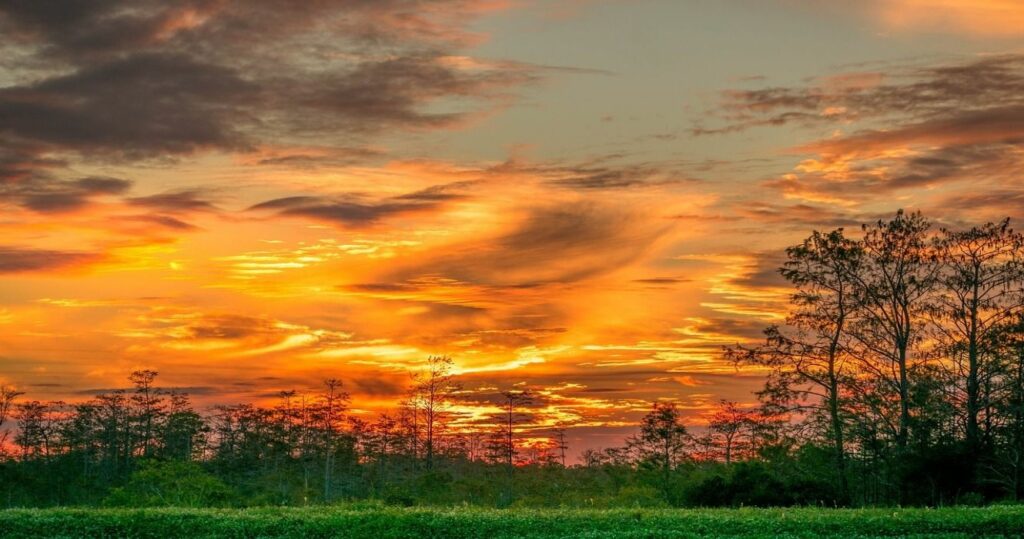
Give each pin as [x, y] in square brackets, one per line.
[171, 484]
[386, 523]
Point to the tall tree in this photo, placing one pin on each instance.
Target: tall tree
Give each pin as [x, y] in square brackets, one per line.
[982, 276]
[1009, 346]
[809, 355]
[433, 388]
[662, 440]
[149, 407]
[897, 274]
[513, 399]
[37, 435]
[560, 444]
[183, 431]
[334, 403]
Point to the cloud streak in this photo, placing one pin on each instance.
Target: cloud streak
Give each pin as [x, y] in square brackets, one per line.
[21, 259]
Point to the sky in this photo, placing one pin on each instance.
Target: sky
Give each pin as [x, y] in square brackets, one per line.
[585, 198]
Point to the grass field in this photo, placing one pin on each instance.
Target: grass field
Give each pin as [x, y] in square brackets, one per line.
[385, 523]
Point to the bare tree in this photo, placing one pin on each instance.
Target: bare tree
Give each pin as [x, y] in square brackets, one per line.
[513, 400]
[560, 445]
[433, 388]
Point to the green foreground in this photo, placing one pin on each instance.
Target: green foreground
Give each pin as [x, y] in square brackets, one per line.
[384, 523]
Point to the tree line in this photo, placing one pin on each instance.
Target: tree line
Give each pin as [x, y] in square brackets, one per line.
[896, 378]
[903, 355]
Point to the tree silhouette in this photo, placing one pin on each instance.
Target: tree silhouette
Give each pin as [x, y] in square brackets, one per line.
[7, 397]
[433, 389]
[662, 440]
[809, 356]
[982, 287]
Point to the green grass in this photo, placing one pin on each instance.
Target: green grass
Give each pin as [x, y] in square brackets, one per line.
[387, 523]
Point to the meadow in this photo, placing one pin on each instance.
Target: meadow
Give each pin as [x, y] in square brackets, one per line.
[378, 522]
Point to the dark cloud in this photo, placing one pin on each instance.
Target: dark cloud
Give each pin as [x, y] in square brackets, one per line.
[47, 195]
[438, 193]
[661, 282]
[175, 201]
[799, 216]
[385, 287]
[143, 79]
[378, 386]
[552, 244]
[742, 327]
[163, 221]
[394, 91]
[346, 213]
[988, 204]
[320, 158]
[763, 272]
[861, 167]
[99, 28]
[913, 92]
[605, 172]
[953, 132]
[17, 260]
[618, 178]
[230, 327]
[143, 105]
[22, 162]
[355, 211]
[91, 28]
[914, 127]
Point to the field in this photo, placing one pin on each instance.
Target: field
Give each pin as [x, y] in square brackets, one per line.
[386, 523]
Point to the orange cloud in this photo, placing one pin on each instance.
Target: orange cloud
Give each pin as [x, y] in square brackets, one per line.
[975, 17]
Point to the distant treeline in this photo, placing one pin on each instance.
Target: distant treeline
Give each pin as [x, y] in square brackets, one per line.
[897, 378]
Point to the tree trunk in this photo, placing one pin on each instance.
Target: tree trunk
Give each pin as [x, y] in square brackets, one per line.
[973, 387]
[904, 426]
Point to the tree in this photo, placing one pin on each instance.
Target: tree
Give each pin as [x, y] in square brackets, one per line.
[149, 408]
[897, 274]
[733, 427]
[1008, 344]
[7, 397]
[559, 442]
[809, 356]
[37, 434]
[662, 440]
[981, 277]
[433, 388]
[514, 398]
[333, 404]
[113, 425]
[183, 431]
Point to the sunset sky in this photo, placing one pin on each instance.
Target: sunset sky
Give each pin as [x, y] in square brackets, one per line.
[587, 198]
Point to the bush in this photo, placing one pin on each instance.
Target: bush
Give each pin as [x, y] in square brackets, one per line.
[171, 484]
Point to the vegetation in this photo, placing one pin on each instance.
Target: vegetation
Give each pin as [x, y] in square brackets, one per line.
[386, 523]
[897, 378]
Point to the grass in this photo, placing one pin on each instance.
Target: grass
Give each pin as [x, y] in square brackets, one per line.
[388, 523]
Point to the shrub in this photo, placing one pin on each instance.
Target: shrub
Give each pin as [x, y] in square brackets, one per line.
[171, 484]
